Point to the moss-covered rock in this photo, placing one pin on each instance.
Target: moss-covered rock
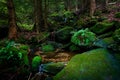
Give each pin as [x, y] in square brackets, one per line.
[83, 38]
[91, 65]
[101, 27]
[117, 15]
[36, 61]
[48, 48]
[53, 68]
[74, 48]
[63, 35]
[116, 24]
[108, 40]
[116, 35]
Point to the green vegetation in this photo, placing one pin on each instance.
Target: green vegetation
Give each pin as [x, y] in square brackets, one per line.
[39, 37]
[36, 62]
[63, 35]
[91, 65]
[48, 48]
[116, 35]
[83, 38]
[117, 15]
[74, 48]
[12, 55]
[101, 27]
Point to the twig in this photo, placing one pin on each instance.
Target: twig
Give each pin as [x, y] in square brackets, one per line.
[29, 76]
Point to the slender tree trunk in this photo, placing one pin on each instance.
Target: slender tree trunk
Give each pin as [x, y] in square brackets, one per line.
[12, 20]
[45, 14]
[67, 5]
[76, 6]
[38, 16]
[92, 7]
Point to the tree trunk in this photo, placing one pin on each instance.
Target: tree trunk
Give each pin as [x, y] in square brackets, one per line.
[104, 5]
[92, 7]
[45, 14]
[12, 20]
[38, 16]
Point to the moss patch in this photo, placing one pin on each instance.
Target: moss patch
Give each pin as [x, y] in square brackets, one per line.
[101, 27]
[117, 15]
[92, 65]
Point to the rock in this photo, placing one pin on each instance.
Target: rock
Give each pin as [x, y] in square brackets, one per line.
[36, 62]
[117, 15]
[116, 35]
[63, 35]
[52, 68]
[102, 27]
[100, 43]
[91, 65]
[108, 40]
[48, 48]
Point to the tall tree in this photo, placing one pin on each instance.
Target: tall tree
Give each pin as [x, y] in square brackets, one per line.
[92, 7]
[45, 13]
[12, 20]
[38, 13]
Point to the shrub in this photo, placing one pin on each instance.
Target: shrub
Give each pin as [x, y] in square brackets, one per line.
[83, 38]
[12, 55]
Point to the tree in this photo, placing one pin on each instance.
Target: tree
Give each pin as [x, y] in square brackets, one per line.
[12, 20]
[38, 15]
[92, 7]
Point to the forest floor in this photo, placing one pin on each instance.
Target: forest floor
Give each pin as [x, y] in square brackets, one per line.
[112, 9]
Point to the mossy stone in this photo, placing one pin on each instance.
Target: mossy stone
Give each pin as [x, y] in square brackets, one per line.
[117, 15]
[63, 35]
[101, 27]
[36, 62]
[91, 65]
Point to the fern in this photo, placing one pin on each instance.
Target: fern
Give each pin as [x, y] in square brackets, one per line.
[83, 38]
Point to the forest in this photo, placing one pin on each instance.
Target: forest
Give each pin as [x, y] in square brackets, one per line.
[59, 39]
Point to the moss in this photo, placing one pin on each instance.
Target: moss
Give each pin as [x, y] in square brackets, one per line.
[47, 48]
[117, 15]
[53, 68]
[108, 40]
[63, 34]
[101, 27]
[83, 38]
[91, 65]
[116, 24]
[116, 35]
[36, 62]
[108, 34]
[73, 48]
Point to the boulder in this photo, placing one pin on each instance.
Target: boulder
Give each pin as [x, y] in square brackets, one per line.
[63, 35]
[102, 27]
[52, 68]
[97, 64]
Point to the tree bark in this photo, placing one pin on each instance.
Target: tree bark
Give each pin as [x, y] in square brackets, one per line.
[12, 20]
[45, 14]
[38, 16]
[92, 7]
